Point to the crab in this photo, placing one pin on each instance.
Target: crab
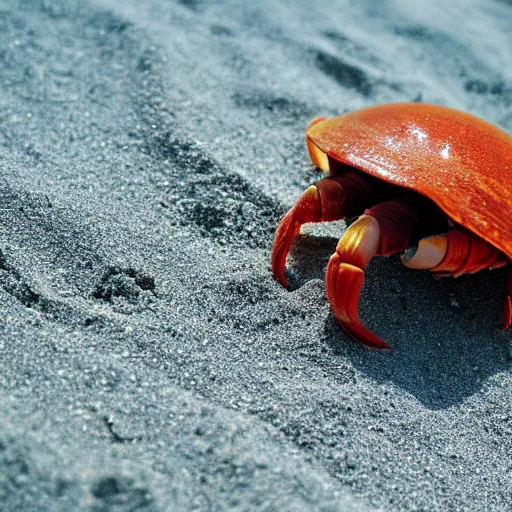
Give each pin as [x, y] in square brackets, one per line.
[426, 181]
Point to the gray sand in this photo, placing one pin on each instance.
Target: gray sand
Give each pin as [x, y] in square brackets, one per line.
[148, 360]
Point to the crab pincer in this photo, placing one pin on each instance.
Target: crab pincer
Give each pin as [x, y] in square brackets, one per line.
[332, 198]
[386, 228]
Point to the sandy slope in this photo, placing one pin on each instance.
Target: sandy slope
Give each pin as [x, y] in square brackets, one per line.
[148, 360]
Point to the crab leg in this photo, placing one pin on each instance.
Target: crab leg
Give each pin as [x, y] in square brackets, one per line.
[332, 198]
[454, 253]
[382, 230]
[459, 252]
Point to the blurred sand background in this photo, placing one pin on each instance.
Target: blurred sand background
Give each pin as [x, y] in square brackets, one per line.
[148, 360]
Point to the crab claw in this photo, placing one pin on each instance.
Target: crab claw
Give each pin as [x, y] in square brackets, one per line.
[345, 277]
[384, 229]
[332, 198]
[307, 209]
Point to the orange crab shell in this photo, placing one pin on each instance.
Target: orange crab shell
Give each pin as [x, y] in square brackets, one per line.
[458, 161]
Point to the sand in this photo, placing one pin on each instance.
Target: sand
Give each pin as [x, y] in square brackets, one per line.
[148, 360]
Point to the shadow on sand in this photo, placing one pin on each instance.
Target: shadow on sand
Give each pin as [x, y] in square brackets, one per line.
[445, 333]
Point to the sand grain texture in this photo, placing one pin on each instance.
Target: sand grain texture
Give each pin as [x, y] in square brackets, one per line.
[148, 360]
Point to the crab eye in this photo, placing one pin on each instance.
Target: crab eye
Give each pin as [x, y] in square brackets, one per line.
[318, 157]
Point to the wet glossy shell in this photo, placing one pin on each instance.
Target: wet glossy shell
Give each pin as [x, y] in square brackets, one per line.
[460, 162]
